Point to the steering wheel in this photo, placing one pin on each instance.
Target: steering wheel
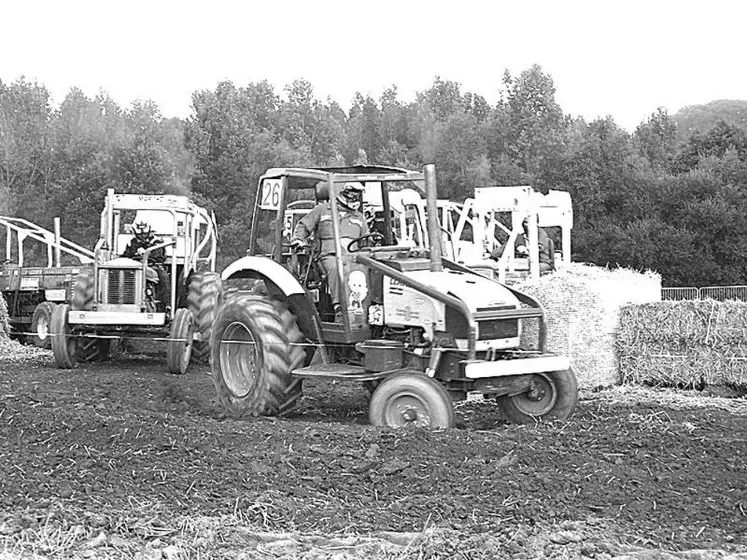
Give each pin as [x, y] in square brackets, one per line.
[375, 238]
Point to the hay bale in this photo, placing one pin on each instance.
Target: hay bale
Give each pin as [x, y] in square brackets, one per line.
[582, 306]
[685, 344]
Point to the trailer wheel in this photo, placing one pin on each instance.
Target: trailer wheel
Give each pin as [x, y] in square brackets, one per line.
[411, 400]
[83, 293]
[179, 347]
[64, 344]
[202, 300]
[40, 324]
[255, 345]
[552, 396]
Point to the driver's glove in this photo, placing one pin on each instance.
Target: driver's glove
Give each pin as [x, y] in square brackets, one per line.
[297, 244]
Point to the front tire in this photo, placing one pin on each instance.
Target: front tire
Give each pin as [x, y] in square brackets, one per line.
[411, 400]
[254, 347]
[553, 396]
[64, 344]
[40, 324]
[202, 300]
[179, 346]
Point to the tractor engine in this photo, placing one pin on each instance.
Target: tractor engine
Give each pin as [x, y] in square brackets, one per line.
[123, 287]
[407, 307]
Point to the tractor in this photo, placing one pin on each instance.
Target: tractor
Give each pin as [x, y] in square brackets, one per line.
[417, 330]
[117, 297]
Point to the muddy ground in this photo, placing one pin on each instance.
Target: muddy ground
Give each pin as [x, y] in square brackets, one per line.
[120, 459]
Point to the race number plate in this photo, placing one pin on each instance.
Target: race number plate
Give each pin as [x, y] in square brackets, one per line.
[270, 199]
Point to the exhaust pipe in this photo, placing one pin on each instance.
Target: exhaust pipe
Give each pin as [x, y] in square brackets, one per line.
[434, 226]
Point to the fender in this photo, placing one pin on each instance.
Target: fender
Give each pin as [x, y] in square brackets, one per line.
[264, 267]
[277, 277]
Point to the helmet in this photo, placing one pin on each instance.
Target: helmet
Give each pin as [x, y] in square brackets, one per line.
[143, 231]
[351, 195]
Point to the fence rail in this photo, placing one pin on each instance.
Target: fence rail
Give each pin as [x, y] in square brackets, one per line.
[719, 293]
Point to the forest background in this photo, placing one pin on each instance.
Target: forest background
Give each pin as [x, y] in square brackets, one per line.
[671, 196]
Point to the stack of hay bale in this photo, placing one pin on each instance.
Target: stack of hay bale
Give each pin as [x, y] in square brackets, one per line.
[685, 344]
[582, 305]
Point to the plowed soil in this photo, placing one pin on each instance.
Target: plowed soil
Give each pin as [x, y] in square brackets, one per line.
[121, 459]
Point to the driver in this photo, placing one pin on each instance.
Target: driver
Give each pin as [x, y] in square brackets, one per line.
[319, 223]
[145, 239]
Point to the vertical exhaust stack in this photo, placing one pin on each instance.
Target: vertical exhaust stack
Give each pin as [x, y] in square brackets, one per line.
[434, 227]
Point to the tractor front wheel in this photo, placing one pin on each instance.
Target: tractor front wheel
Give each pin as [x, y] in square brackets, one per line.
[179, 346]
[40, 324]
[411, 400]
[551, 396]
[255, 346]
[64, 344]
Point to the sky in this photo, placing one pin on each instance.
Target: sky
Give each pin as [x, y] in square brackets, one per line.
[624, 59]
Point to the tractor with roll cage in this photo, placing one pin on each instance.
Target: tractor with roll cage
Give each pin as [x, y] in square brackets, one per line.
[117, 298]
[419, 331]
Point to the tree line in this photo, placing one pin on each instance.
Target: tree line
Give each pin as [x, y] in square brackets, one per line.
[664, 197]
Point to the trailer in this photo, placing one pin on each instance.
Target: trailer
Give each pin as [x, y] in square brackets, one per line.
[37, 273]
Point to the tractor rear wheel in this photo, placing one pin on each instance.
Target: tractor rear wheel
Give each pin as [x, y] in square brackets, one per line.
[411, 400]
[202, 300]
[179, 347]
[64, 344]
[93, 349]
[40, 323]
[83, 293]
[552, 396]
[255, 345]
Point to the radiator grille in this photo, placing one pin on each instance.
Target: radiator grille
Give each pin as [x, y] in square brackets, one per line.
[121, 287]
[497, 328]
[488, 329]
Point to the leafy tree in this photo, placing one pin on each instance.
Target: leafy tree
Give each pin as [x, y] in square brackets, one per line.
[719, 140]
[461, 157]
[24, 146]
[534, 121]
[656, 140]
[364, 130]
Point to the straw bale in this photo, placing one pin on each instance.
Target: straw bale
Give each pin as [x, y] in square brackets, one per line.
[687, 344]
[582, 310]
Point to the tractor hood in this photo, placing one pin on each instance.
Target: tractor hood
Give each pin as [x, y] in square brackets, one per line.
[122, 262]
[477, 292]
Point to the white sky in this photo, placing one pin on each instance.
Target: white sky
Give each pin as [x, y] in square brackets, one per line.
[619, 58]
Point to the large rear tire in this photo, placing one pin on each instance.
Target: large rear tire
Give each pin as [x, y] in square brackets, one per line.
[254, 347]
[64, 344]
[202, 299]
[83, 292]
[552, 396]
[93, 349]
[411, 400]
[179, 347]
[40, 324]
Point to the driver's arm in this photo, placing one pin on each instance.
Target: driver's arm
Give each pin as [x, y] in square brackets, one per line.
[308, 224]
[131, 249]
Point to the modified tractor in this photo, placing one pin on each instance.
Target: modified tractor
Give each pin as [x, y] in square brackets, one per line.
[118, 297]
[419, 331]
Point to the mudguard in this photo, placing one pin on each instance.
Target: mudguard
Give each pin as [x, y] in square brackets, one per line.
[264, 267]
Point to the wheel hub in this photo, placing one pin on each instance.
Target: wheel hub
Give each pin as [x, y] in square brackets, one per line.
[409, 415]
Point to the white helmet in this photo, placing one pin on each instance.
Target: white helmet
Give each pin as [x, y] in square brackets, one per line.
[351, 195]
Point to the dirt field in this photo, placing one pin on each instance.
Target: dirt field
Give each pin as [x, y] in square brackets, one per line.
[122, 460]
